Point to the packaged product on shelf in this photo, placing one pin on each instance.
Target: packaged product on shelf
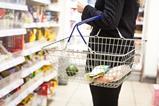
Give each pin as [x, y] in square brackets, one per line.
[50, 34]
[44, 89]
[2, 14]
[10, 19]
[47, 88]
[36, 73]
[46, 68]
[4, 54]
[53, 86]
[26, 100]
[27, 18]
[32, 36]
[37, 13]
[14, 43]
[41, 55]
[39, 35]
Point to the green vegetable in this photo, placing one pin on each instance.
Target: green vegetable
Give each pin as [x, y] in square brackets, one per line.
[71, 70]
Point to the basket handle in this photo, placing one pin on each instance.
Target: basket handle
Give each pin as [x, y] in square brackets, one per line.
[95, 18]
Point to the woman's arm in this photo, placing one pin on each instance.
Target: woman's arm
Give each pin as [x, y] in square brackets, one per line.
[111, 14]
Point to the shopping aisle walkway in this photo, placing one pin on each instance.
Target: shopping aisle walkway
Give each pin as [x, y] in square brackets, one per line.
[74, 94]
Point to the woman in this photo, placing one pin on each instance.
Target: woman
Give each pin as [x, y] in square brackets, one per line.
[117, 16]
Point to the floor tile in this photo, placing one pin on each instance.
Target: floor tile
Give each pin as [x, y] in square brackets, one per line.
[76, 94]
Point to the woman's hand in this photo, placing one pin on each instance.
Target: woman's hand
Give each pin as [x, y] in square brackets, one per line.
[80, 6]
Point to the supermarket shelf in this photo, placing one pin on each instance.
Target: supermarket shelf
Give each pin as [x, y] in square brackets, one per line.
[41, 24]
[20, 95]
[10, 87]
[50, 76]
[29, 88]
[12, 32]
[41, 2]
[11, 62]
[13, 6]
[33, 47]
[54, 7]
[33, 68]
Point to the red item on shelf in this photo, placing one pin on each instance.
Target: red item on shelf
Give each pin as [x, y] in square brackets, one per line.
[14, 43]
[2, 12]
[44, 88]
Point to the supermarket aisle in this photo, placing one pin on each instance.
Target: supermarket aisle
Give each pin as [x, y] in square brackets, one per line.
[132, 94]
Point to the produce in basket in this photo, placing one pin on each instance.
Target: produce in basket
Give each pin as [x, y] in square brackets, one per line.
[71, 70]
[111, 75]
[114, 74]
[97, 72]
[118, 72]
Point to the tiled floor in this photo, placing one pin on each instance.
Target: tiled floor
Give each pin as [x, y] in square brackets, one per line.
[75, 94]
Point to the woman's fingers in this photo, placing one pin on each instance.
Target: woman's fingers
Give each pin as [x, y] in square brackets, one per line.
[80, 6]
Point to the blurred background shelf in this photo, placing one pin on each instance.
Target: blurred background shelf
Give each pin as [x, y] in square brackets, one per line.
[41, 24]
[34, 67]
[26, 89]
[10, 87]
[12, 32]
[13, 6]
[11, 62]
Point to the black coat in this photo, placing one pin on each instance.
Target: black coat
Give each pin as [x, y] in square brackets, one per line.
[119, 14]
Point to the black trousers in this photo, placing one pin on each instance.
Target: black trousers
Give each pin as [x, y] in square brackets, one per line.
[105, 96]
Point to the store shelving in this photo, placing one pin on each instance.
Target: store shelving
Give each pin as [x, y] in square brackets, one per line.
[50, 76]
[33, 47]
[13, 6]
[54, 7]
[36, 66]
[11, 62]
[28, 88]
[12, 32]
[40, 2]
[10, 87]
[41, 24]
[29, 48]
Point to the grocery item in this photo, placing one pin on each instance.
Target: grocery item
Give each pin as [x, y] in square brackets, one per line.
[32, 36]
[98, 71]
[14, 43]
[71, 70]
[40, 35]
[26, 100]
[117, 73]
[4, 54]
[10, 71]
[104, 74]
[47, 68]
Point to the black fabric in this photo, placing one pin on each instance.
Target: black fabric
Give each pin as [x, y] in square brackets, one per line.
[105, 96]
[115, 13]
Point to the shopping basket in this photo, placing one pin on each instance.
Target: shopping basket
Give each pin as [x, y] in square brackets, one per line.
[97, 60]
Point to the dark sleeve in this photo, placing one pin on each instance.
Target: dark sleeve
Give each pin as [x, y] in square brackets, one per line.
[111, 14]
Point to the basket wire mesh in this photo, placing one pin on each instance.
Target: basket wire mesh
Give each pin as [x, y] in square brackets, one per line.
[99, 51]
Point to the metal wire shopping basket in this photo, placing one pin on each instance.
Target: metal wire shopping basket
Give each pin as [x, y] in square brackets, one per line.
[88, 58]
